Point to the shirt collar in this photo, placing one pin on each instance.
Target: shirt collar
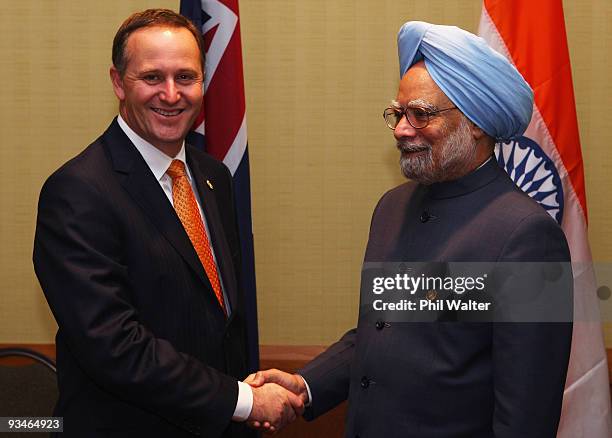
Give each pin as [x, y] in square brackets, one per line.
[157, 161]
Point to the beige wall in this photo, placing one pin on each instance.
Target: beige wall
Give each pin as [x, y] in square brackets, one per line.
[56, 99]
[318, 74]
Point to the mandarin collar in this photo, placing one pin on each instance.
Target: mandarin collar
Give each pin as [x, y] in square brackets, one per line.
[474, 180]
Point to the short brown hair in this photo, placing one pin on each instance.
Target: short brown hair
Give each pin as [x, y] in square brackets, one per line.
[150, 18]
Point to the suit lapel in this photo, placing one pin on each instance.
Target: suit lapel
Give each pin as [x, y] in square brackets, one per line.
[138, 180]
[205, 186]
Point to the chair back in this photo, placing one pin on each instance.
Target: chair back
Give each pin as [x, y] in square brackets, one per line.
[27, 390]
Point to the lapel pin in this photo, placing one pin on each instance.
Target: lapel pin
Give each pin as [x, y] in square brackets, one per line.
[209, 184]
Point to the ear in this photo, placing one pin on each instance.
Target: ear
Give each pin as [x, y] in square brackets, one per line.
[477, 132]
[117, 81]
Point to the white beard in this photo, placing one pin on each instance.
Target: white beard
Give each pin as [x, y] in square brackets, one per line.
[456, 153]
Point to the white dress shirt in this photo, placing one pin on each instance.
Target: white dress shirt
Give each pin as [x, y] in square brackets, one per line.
[159, 162]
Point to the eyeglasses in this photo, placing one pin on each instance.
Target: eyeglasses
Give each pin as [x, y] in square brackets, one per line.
[417, 117]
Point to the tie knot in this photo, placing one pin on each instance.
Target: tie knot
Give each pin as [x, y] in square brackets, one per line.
[176, 169]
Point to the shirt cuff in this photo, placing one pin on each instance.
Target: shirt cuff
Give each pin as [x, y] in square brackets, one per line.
[309, 402]
[244, 403]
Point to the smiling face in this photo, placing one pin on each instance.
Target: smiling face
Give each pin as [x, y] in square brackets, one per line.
[160, 92]
[448, 147]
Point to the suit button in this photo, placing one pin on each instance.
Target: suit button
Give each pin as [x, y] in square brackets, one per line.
[365, 382]
[380, 325]
[425, 216]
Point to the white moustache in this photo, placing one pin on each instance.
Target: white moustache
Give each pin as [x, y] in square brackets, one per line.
[406, 147]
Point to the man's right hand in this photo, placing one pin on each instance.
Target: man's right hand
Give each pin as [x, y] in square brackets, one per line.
[273, 407]
[292, 382]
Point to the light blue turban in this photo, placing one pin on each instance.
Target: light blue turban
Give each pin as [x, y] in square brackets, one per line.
[487, 88]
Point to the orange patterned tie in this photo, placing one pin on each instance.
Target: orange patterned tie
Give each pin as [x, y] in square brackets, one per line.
[187, 209]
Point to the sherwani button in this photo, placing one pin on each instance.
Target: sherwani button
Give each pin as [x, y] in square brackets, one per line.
[365, 382]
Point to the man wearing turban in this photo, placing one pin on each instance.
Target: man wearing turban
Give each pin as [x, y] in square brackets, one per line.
[457, 98]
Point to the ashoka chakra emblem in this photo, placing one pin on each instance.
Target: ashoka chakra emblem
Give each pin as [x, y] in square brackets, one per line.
[533, 172]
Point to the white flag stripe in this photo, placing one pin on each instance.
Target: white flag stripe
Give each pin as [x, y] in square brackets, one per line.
[236, 151]
[201, 128]
[224, 17]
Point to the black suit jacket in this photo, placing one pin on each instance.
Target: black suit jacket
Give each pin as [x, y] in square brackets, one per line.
[451, 379]
[143, 347]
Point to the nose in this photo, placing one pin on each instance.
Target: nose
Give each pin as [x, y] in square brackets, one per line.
[404, 129]
[170, 93]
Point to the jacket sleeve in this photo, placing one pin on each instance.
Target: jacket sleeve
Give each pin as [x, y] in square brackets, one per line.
[80, 264]
[328, 376]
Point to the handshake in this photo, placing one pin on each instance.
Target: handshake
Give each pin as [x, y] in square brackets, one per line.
[278, 399]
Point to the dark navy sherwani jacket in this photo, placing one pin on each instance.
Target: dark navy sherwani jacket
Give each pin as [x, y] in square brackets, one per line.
[451, 379]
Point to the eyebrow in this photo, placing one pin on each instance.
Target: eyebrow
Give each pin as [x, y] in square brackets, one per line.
[161, 72]
[416, 103]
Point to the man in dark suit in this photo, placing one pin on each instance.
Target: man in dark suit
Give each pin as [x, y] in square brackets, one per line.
[137, 252]
[493, 378]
